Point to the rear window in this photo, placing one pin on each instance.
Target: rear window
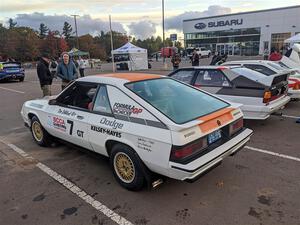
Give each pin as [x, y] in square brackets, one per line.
[185, 76]
[177, 101]
[261, 69]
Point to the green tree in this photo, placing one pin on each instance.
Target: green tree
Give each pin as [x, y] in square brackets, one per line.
[43, 30]
[11, 23]
[67, 30]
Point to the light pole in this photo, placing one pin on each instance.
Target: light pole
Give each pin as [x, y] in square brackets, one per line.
[112, 46]
[163, 27]
[76, 31]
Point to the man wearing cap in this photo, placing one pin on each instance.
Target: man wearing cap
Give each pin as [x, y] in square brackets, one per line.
[44, 74]
[66, 70]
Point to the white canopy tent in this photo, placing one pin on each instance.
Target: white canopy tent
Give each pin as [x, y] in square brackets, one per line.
[294, 39]
[137, 57]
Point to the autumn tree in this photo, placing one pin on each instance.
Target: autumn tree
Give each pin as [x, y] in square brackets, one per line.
[62, 45]
[67, 30]
[43, 30]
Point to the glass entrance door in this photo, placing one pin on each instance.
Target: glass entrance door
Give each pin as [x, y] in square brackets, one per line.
[229, 49]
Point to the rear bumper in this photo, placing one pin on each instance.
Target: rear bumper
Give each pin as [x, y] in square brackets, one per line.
[196, 168]
[263, 112]
[11, 76]
[294, 94]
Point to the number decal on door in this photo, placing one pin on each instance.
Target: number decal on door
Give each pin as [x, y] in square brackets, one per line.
[71, 127]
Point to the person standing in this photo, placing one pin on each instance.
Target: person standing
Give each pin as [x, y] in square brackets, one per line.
[275, 56]
[81, 66]
[66, 70]
[176, 61]
[195, 58]
[44, 74]
[53, 67]
[266, 54]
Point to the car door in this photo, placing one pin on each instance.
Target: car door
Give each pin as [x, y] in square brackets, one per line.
[102, 123]
[69, 117]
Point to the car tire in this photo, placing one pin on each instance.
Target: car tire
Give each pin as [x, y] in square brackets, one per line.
[21, 79]
[127, 167]
[39, 134]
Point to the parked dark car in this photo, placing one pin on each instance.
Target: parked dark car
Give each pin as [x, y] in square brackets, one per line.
[11, 71]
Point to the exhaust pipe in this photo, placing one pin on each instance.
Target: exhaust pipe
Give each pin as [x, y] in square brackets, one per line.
[156, 183]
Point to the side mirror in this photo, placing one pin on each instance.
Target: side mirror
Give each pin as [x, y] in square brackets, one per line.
[52, 102]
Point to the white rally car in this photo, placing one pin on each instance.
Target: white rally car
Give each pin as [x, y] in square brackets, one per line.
[146, 124]
[272, 69]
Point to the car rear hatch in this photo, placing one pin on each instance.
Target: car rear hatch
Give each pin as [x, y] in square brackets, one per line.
[278, 88]
[202, 136]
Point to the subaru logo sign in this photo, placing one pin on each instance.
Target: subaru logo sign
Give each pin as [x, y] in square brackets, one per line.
[200, 26]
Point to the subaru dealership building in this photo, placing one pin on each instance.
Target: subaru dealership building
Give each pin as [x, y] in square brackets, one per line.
[246, 33]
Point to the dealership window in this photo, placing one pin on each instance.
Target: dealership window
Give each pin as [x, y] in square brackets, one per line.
[277, 41]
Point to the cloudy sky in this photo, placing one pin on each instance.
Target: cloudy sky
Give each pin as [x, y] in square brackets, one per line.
[140, 18]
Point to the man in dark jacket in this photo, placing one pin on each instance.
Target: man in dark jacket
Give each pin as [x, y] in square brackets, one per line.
[66, 70]
[195, 58]
[44, 74]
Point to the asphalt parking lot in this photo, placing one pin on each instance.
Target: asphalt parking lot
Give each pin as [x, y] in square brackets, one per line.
[259, 185]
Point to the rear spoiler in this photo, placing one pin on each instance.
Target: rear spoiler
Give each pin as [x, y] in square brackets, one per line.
[274, 79]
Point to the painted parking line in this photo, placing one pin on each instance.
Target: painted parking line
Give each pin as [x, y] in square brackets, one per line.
[12, 90]
[73, 188]
[273, 153]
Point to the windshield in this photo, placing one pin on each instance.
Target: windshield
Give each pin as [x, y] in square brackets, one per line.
[179, 102]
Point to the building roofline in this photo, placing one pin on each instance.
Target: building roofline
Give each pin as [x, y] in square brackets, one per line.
[241, 13]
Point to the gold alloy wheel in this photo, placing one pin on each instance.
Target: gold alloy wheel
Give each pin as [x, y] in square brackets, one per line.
[37, 131]
[124, 167]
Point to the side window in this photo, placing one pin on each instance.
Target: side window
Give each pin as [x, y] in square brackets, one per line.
[185, 76]
[101, 102]
[78, 94]
[212, 78]
[261, 69]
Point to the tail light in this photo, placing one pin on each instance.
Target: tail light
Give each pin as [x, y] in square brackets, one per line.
[296, 86]
[236, 126]
[180, 153]
[267, 96]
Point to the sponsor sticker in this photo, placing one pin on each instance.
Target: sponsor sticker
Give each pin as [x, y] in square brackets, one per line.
[106, 131]
[145, 144]
[126, 109]
[114, 124]
[57, 123]
[66, 112]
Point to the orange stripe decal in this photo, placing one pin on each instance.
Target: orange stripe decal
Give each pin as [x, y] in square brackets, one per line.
[215, 120]
[132, 76]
